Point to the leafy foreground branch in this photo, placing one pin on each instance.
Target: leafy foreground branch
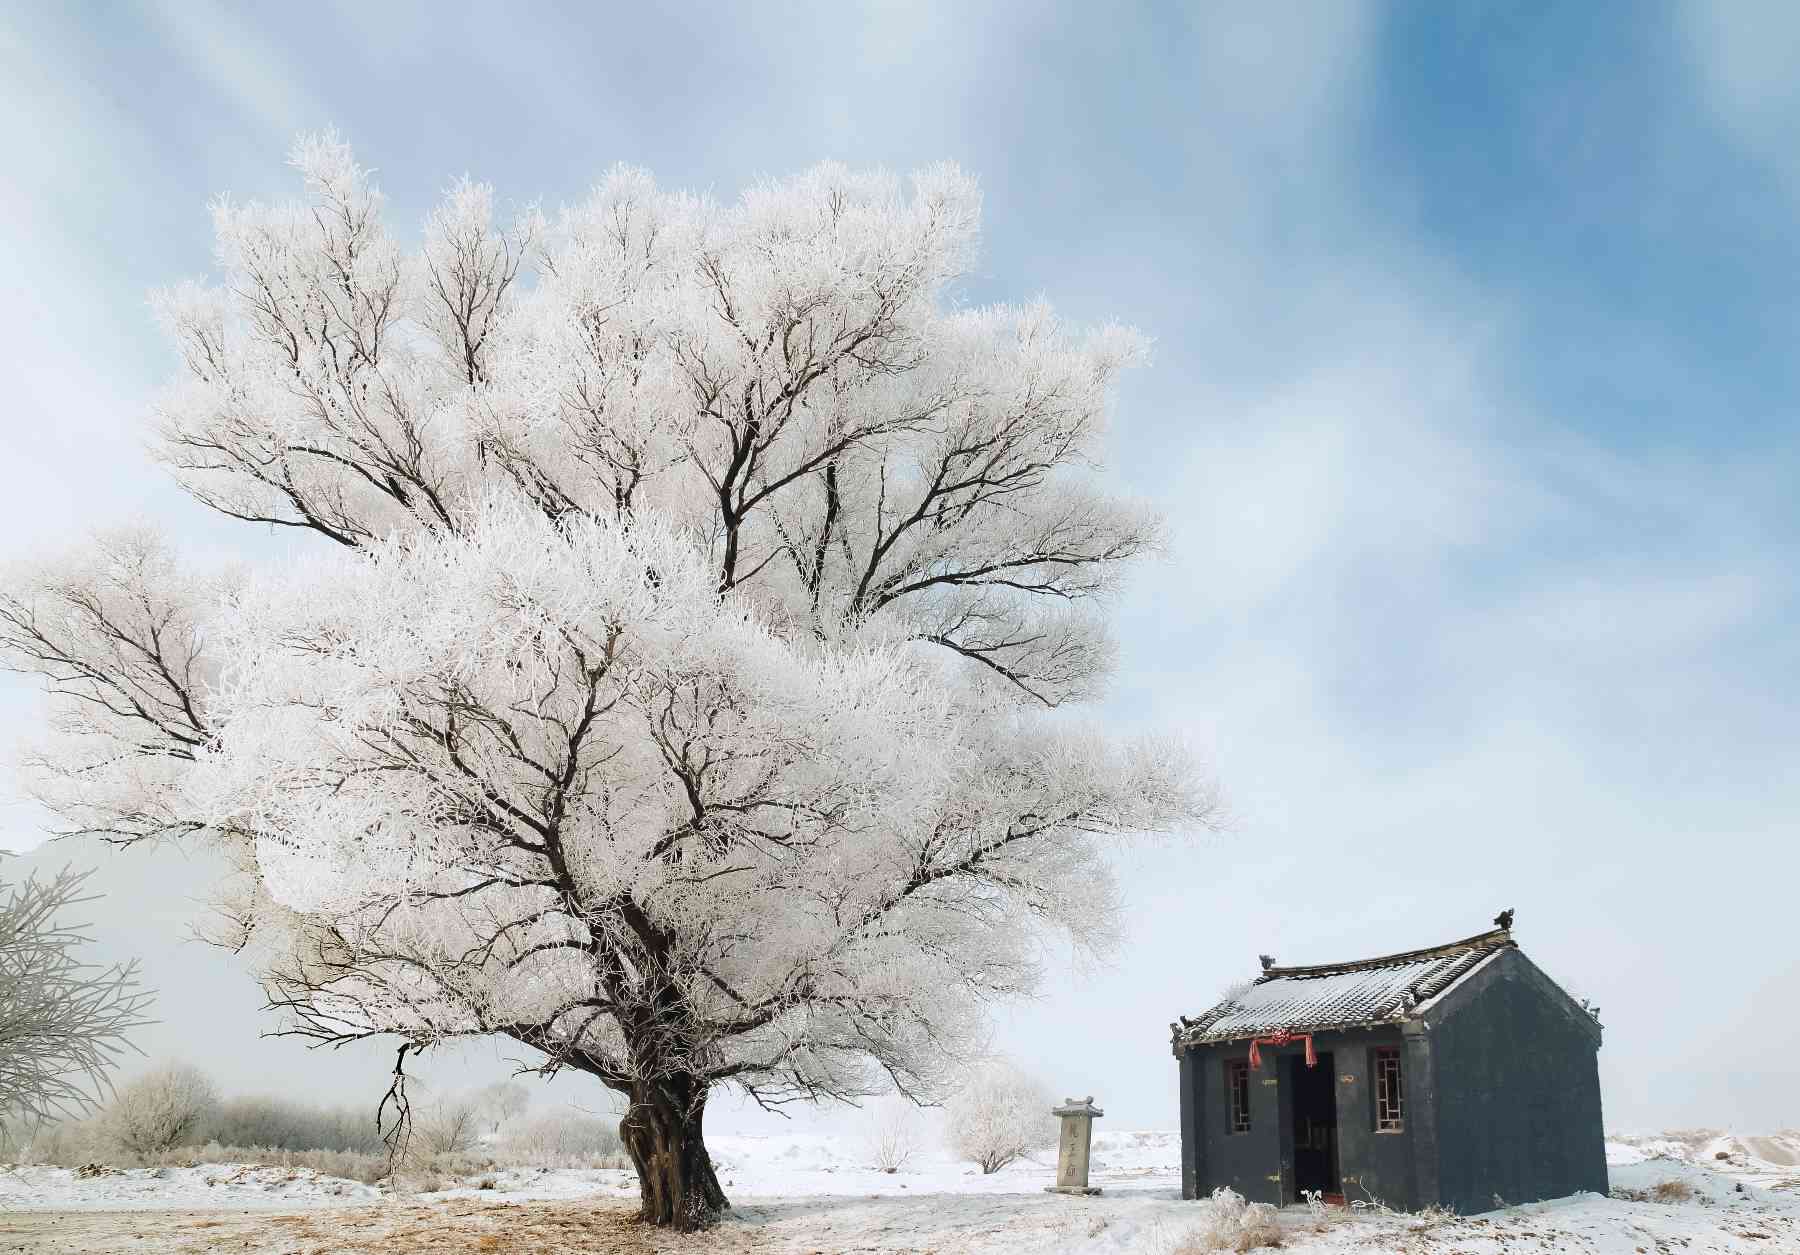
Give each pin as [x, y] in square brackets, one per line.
[675, 688]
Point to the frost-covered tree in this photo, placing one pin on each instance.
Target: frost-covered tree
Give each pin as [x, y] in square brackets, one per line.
[1000, 1113]
[64, 1022]
[682, 684]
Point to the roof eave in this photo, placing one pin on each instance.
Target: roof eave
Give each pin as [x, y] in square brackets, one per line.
[1226, 1039]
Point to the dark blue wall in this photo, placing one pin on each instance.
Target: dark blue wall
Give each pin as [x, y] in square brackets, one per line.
[1376, 1167]
[1519, 1090]
[1373, 1165]
[1244, 1161]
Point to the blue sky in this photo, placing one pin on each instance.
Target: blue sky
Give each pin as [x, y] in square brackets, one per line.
[1472, 409]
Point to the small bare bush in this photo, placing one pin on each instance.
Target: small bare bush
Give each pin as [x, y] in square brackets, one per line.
[892, 1138]
[999, 1115]
[1228, 1223]
[1671, 1191]
[450, 1127]
[1432, 1217]
[161, 1109]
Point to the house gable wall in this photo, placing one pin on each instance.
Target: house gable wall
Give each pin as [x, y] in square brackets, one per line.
[1518, 1102]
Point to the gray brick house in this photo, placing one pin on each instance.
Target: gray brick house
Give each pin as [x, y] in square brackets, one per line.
[1456, 1075]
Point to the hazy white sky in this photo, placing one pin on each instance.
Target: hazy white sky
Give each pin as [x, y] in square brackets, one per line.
[1472, 409]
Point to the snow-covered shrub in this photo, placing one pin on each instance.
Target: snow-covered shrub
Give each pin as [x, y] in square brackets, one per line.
[163, 1108]
[1227, 1223]
[562, 1139]
[999, 1115]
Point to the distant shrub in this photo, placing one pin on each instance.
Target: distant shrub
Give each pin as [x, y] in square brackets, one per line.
[69, 1143]
[164, 1107]
[279, 1124]
[564, 1139]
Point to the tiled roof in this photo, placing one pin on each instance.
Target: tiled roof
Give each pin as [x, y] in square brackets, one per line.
[1340, 995]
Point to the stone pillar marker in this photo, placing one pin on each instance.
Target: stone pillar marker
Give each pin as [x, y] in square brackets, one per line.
[1072, 1146]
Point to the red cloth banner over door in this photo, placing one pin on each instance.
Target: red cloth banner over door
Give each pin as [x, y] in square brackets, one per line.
[1281, 1037]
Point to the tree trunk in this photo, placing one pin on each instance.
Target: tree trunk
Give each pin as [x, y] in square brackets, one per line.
[662, 1134]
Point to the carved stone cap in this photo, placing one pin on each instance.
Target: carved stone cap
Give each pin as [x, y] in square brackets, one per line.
[1078, 1107]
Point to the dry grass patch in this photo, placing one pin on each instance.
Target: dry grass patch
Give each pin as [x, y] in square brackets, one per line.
[1671, 1191]
[1227, 1223]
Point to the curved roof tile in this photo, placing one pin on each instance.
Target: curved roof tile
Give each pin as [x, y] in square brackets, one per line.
[1340, 995]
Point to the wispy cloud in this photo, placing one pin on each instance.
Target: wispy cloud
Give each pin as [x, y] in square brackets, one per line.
[253, 78]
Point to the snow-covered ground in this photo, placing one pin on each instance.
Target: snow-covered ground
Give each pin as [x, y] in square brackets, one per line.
[208, 1185]
[815, 1193]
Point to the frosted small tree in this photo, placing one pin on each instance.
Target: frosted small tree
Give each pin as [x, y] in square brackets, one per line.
[64, 1024]
[999, 1115]
[672, 688]
[161, 1109]
[502, 1102]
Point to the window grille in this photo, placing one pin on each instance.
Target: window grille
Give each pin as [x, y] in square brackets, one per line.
[1390, 1102]
[1237, 1094]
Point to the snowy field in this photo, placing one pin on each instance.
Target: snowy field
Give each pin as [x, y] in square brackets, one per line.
[808, 1194]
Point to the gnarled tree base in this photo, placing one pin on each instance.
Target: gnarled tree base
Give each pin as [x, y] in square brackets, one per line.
[662, 1134]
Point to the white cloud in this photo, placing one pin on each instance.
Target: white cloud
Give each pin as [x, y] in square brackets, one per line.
[1744, 53]
[1451, 659]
